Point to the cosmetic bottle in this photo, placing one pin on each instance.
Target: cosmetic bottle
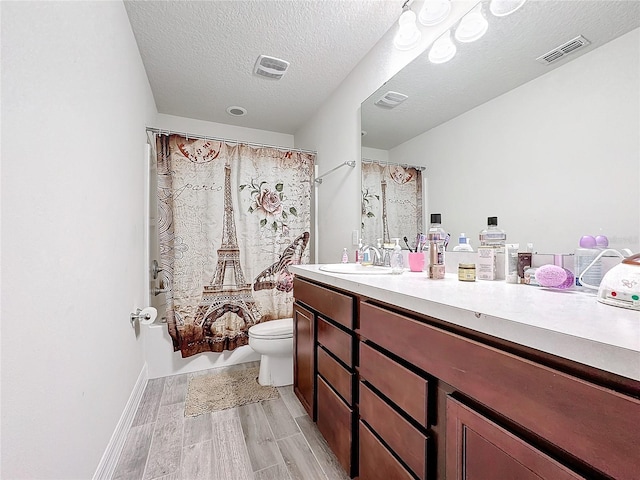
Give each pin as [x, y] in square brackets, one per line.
[436, 238]
[397, 262]
[359, 252]
[492, 236]
[345, 256]
[511, 262]
[463, 244]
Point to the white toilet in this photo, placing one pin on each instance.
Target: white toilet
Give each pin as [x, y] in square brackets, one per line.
[274, 341]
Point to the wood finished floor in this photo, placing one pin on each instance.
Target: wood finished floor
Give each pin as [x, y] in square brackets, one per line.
[270, 440]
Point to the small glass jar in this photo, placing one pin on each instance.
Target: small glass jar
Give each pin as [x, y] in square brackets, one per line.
[467, 272]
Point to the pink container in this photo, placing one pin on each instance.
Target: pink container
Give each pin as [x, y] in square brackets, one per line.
[416, 261]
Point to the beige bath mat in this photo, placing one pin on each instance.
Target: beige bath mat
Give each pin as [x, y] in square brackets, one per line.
[219, 391]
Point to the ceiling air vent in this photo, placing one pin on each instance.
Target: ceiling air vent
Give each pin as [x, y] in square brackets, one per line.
[564, 49]
[270, 67]
[391, 99]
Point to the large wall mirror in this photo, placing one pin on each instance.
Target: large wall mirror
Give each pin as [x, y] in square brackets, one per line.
[552, 148]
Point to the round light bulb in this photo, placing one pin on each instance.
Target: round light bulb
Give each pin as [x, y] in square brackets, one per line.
[408, 34]
[443, 49]
[434, 11]
[472, 26]
[502, 8]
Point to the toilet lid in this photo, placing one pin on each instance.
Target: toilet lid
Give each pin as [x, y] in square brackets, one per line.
[282, 328]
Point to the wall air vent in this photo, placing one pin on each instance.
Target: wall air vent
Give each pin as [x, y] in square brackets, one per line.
[270, 67]
[391, 99]
[564, 49]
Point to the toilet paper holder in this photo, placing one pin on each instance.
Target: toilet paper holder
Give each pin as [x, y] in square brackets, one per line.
[142, 315]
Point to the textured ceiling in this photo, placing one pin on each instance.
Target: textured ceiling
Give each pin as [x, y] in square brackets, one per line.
[503, 59]
[199, 55]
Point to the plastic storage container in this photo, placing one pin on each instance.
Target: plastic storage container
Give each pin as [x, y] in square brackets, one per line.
[585, 254]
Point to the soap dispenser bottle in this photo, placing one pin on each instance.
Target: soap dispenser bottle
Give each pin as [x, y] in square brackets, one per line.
[397, 262]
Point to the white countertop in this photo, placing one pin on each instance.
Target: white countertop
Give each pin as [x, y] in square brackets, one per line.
[567, 323]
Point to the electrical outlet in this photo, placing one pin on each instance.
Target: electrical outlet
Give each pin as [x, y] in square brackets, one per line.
[355, 236]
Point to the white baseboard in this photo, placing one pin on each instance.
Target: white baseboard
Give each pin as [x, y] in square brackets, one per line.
[109, 459]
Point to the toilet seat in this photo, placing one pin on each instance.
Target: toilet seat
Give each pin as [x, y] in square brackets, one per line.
[272, 329]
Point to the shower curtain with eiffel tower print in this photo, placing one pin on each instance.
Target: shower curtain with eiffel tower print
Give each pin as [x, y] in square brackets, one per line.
[391, 202]
[231, 219]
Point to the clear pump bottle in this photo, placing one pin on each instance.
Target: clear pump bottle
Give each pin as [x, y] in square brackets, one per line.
[397, 262]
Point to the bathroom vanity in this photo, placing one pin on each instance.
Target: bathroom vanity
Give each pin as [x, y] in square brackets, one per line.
[408, 377]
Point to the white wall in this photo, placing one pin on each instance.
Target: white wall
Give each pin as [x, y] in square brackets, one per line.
[557, 158]
[334, 132]
[161, 359]
[222, 130]
[75, 101]
[375, 154]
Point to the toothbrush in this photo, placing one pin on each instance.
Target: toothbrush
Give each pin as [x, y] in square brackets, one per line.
[406, 242]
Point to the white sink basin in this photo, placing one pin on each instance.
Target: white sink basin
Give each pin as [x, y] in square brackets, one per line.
[354, 268]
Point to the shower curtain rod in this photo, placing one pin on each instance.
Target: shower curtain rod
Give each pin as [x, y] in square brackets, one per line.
[382, 162]
[350, 163]
[161, 131]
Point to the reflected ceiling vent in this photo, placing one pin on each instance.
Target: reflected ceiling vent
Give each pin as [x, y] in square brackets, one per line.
[564, 49]
[391, 99]
[236, 111]
[270, 67]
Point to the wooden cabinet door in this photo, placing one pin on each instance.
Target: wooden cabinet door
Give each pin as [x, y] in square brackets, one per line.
[335, 423]
[304, 358]
[479, 449]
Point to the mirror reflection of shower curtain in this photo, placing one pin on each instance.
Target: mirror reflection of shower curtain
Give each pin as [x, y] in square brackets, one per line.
[391, 202]
[231, 219]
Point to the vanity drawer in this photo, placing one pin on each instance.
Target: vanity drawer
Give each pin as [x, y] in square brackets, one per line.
[336, 375]
[403, 387]
[334, 305]
[405, 440]
[552, 404]
[337, 341]
[376, 462]
[335, 423]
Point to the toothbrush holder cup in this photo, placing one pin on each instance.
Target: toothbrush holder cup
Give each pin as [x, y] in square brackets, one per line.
[416, 261]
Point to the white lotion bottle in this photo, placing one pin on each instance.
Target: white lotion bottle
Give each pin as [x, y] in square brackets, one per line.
[463, 244]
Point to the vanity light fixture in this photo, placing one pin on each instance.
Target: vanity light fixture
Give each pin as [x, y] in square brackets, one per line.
[408, 34]
[502, 8]
[434, 12]
[472, 26]
[443, 49]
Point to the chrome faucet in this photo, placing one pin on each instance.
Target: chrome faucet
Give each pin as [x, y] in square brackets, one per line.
[377, 256]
